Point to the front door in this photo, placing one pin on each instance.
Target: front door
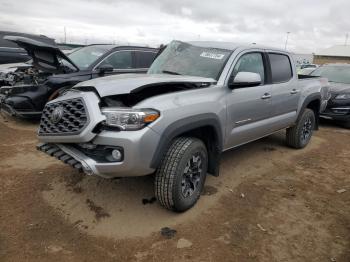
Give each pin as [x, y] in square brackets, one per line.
[248, 108]
[122, 61]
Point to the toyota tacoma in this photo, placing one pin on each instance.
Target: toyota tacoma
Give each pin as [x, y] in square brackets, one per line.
[197, 100]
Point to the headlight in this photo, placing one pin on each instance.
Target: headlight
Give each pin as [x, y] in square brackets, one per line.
[342, 96]
[129, 119]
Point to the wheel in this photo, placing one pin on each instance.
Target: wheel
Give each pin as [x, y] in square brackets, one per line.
[299, 135]
[181, 175]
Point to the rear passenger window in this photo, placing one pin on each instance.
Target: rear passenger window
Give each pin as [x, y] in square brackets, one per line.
[281, 68]
[144, 59]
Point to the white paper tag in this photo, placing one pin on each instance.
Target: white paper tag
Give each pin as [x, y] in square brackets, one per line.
[212, 55]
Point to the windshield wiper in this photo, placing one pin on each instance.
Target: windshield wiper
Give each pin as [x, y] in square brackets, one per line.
[170, 72]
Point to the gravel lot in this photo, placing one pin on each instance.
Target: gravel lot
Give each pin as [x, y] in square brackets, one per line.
[270, 203]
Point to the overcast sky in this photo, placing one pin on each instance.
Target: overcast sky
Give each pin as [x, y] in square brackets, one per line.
[313, 24]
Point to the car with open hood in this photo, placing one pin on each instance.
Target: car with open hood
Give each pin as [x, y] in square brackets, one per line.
[26, 90]
[338, 76]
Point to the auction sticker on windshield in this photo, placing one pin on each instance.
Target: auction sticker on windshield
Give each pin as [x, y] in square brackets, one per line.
[212, 55]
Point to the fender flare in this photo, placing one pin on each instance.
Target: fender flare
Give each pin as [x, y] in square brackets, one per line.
[185, 125]
[307, 101]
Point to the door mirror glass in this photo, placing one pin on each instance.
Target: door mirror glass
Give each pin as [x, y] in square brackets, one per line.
[245, 79]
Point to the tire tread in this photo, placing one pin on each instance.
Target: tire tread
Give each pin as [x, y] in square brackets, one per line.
[293, 133]
[165, 174]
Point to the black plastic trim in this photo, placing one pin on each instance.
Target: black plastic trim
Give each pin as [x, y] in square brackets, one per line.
[185, 125]
[307, 101]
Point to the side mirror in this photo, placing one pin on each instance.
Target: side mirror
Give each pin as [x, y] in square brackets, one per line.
[245, 79]
[102, 69]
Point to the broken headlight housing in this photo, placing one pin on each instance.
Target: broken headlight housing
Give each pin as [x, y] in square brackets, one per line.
[128, 118]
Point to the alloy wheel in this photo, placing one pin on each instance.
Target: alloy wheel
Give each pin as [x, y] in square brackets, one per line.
[192, 176]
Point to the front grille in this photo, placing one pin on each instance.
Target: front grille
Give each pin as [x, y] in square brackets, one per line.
[71, 118]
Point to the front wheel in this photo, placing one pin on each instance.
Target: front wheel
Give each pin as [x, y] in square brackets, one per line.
[300, 135]
[181, 176]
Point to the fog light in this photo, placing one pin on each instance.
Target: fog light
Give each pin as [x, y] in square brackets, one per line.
[116, 155]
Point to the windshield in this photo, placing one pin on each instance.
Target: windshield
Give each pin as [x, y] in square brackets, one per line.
[86, 56]
[180, 58]
[338, 74]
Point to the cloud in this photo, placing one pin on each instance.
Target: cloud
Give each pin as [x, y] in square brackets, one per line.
[313, 24]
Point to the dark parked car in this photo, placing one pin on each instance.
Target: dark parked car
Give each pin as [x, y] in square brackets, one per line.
[10, 52]
[26, 91]
[338, 75]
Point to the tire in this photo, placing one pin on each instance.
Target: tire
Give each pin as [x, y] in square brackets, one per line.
[177, 186]
[299, 135]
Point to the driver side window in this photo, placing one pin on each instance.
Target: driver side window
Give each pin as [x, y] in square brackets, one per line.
[251, 62]
[119, 60]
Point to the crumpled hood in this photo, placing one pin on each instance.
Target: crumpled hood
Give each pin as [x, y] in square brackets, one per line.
[130, 83]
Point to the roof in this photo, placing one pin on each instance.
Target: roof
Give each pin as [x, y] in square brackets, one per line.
[337, 50]
[113, 46]
[229, 45]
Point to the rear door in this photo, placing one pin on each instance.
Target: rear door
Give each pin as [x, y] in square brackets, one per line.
[285, 89]
[248, 108]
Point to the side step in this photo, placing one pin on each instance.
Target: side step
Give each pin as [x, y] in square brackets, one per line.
[55, 151]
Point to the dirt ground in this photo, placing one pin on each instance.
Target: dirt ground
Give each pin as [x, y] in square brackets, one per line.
[270, 203]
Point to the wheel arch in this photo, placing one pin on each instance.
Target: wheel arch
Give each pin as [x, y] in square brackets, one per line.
[312, 102]
[205, 127]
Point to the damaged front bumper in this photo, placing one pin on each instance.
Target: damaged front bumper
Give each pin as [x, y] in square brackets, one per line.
[17, 101]
[338, 110]
[10, 110]
[7, 107]
[337, 113]
[137, 153]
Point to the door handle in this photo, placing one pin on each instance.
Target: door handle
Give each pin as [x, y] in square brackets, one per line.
[294, 91]
[266, 96]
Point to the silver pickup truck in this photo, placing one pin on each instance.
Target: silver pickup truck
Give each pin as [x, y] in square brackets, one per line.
[197, 100]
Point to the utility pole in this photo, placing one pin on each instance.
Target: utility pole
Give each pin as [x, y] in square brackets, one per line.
[65, 35]
[285, 46]
[346, 38]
